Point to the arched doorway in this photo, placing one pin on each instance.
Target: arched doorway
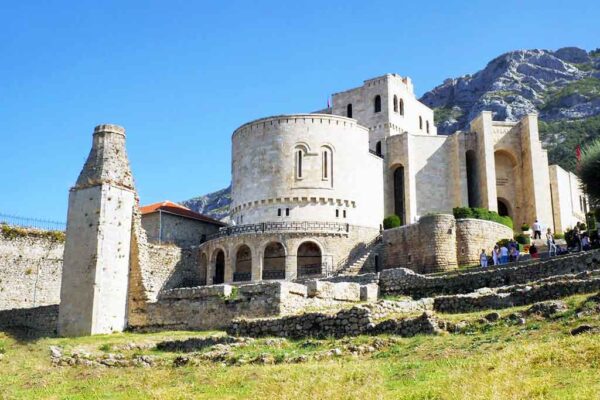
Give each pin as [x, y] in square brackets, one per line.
[219, 276]
[243, 264]
[399, 208]
[203, 268]
[472, 179]
[274, 261]
[503, 208]
[309, 259]
[508, 183]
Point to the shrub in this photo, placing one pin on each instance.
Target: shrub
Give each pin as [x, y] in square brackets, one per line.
[462, 212]
[524, 228]
[591, 221]
[559, 236]
[481, 213]
[391, 221]
[522, 239]
[503, 242]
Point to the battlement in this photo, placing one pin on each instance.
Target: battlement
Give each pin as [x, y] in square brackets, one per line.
[109, 128]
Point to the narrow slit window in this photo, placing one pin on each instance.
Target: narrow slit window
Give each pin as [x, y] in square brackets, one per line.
[287, 212]
[344, 213]
[299, 172]
[279, 212]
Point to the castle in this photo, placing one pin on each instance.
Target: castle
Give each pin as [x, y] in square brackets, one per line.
[309, 193]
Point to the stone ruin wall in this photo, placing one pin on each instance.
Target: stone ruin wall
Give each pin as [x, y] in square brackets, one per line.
[409, 283]
[440, 243]
[30, 271]
[214, 307]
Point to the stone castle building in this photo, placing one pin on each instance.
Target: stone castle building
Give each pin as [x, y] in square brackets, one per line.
[310, 189]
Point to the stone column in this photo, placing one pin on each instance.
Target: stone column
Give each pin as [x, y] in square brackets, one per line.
[229, 267]
[291, 267]
[97, 250]
[256, 266]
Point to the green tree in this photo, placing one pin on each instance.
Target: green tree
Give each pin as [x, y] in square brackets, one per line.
[589, 172]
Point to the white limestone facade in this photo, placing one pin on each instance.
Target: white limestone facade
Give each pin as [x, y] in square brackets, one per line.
[305, 167]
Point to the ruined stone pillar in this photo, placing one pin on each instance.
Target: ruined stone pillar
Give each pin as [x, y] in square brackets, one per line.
[228, 267]
[256, 266]
[93, 296]
[291, 267]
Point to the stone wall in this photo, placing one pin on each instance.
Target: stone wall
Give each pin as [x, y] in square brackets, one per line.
[30, 271]
[407, 282]
[34, 322]
[427, 246]
[165, 228]
[472, 235]
[214, 307]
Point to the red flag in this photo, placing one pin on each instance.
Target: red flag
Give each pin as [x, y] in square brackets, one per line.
[578, 153]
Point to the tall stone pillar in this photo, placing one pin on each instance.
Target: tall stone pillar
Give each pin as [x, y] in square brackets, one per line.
[93, 296]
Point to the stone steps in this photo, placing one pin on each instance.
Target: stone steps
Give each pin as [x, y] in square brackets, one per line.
[363, 264]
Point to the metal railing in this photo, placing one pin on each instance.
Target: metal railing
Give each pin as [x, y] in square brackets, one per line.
[306, 226]
[358, 254]
[312, 269]
[273, 274]
[24, 222]
[242, 276]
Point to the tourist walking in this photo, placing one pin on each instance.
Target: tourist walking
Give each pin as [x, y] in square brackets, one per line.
[550, 243]
[537, 230]
[483, 259]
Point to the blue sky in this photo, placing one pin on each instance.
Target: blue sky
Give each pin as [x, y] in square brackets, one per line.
[182, 75]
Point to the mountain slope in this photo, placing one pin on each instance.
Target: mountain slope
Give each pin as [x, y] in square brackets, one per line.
[562, 86]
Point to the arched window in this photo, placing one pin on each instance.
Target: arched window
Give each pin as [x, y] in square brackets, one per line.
[309, 261]
[401, 107]
[420, 122]
[378, 148]
[326, 163]
[427, 126]
[274, 261]
[395, 103]
[377, 103]
[299, 161]
[349, 111]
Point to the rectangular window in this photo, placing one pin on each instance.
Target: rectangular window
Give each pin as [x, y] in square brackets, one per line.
[344, 213]
[337, 213]
[279, 212]
[325, 166]
[287, 212]
[299, 172]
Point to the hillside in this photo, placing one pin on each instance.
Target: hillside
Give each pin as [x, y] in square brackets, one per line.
[562, 86]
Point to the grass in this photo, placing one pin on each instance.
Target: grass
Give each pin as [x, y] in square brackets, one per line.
[538, 360]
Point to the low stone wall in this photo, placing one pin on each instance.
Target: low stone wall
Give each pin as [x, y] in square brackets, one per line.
[472, 235]
[515, 296]
[407, 282]
[30, 271]
[352, 322]
[214, 307]
[36, 321]
[426, 246]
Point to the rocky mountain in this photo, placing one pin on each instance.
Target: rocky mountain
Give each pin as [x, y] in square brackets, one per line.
[215, 204]
[562, 86]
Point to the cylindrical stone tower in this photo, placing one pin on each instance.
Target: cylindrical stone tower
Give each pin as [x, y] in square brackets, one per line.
[93, 297]
[305, 167]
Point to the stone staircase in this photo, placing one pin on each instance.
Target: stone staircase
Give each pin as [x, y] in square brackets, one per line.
[363, 262]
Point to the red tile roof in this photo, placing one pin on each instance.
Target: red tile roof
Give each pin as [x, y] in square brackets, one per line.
[177, 209]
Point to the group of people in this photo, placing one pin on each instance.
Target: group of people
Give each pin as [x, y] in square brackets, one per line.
[501, 254]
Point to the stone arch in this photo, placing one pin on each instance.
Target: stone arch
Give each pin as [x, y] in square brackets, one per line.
[507, 181]
[399, 193]
[327, 163]
[300, 151]
[243, 263]
[203, 268]
[473, 193]
[377, 103]
[309, 259]
[218, 260]
[274, 256]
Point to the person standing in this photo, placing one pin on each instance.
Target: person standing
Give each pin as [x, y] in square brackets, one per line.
[483, 259]
[550, 243]
[503, 255]
[537, 230]
[496, 255]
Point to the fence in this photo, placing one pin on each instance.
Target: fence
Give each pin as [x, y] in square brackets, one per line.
[13, 220]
